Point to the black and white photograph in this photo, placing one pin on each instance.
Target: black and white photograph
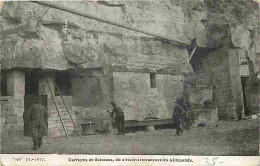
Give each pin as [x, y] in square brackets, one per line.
[130, 77]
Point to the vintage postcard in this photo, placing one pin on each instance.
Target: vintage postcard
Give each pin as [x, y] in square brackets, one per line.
[130, 82]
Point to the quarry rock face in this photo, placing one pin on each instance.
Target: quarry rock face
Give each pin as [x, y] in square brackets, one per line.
[34, 36]
[49, 36]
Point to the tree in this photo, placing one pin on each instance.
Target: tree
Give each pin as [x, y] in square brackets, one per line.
[231, 11]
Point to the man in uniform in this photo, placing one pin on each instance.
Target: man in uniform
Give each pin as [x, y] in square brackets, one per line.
[177, 116]
[120, 118]
[36, 124]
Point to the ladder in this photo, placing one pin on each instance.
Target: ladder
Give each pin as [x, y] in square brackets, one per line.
[64, 127]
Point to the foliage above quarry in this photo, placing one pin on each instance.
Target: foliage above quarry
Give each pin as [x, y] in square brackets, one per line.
[231, 11]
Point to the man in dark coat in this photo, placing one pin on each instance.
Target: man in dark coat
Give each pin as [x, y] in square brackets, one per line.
[120, 118]
[177, 116]
[36, 124]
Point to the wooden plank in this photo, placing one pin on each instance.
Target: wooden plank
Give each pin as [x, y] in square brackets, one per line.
[192, 53]
[148, 122]
[153, 122]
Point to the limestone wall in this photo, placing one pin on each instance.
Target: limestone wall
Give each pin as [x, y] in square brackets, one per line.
[38, 37]
[97, 115]
[55, 127]
[236, 81]
[208, 116]
[213, 66]
[132, 92]
[91, 89]
[11, 120]
[12, 106]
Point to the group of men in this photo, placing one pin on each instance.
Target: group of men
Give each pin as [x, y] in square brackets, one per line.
[36, 120]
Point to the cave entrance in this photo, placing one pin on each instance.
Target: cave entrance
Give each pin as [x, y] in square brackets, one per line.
[31, 82]
[244, 81]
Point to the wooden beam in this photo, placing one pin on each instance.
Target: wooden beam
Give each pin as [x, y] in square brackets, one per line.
[192, 53]
[152, 122]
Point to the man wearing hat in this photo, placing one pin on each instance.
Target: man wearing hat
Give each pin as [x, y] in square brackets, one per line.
[177, 115]
[120, 118]
[36, 123]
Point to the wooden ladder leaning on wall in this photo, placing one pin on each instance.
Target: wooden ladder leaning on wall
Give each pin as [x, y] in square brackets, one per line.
[63, 101]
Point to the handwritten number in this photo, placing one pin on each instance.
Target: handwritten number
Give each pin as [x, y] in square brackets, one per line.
[213, 161]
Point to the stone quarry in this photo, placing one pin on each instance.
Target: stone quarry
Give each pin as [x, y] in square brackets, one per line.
[93, 63]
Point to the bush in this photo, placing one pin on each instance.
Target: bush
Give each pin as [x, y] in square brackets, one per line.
[234, 11]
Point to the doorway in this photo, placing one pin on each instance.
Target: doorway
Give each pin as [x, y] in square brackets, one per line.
[244, 81]
[31, 82]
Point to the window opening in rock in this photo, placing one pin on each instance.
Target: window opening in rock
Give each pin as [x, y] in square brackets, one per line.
[3, 83]
[152, 80]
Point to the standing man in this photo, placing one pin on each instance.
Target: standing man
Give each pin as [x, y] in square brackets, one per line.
[120, 118]
[36, 124]
[177, 115]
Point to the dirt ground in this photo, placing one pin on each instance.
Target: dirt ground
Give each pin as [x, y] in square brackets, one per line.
[229, 138]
